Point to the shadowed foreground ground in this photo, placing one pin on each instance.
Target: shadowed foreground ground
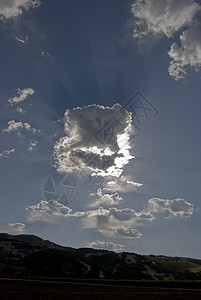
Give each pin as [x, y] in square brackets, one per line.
[20, 289]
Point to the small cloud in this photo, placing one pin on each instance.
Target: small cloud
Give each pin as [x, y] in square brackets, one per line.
[122, 214]
[122, 232]
[20, 110]
[17, 126]
[12, 9]
[32, 146]
[171, 208]
[17, 227]
[22, 95]
[106, 245]
[45, 53]
[187, 54]
[104, 199]
[128, 214]
[47, 211]
[122, 184]
[6, 153]
[21, 40]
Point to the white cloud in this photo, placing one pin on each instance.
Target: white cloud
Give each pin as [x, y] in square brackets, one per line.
[14, 8]
[17, 126]
[12, 126]
[162, 17]
[47, 211]
[45, 53]
[128, 214]
[121, 184]
[111, 222]
[20, 110]
[21, 40]
[6, 153]
[106, 245]
[122, 232]
[16, 227]
[171, 208]
[32, 146]
[168, 17]
[187, 54]
[22, 95]
[104, 199]
[97, 140]
[115, 222]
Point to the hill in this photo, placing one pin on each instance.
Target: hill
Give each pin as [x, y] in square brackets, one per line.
[31, 256]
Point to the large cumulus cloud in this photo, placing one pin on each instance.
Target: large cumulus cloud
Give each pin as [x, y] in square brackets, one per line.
[97, 139]
[165, 18]
[162, 17]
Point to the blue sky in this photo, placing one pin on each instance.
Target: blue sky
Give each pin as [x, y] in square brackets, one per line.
[96, 55]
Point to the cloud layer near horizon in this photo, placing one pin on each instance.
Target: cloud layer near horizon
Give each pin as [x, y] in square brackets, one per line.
[113, 222]
[106, 245]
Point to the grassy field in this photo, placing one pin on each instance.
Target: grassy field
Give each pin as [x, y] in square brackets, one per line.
[180, 264]
[11, 289]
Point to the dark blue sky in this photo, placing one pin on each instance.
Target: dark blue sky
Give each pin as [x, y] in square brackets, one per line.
[79, 53]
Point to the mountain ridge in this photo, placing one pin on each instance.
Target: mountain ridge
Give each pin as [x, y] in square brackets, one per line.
[29, 255]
